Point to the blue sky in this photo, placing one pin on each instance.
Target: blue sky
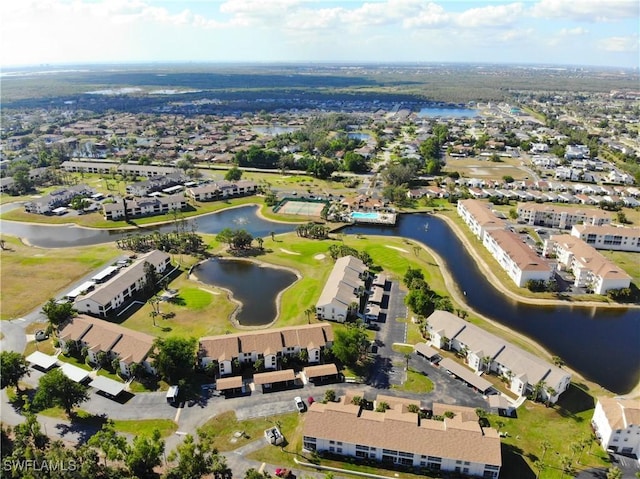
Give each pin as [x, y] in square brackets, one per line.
[577, 32]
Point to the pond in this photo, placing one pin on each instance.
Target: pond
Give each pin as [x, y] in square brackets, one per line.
[256, 286]
[599, 343]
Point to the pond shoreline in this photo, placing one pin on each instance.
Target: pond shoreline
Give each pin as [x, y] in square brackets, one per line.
[233, 317]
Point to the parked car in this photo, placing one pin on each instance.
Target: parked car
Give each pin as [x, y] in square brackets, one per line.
[41, 335]
[299, 404]
[310, 400]
[284, 473]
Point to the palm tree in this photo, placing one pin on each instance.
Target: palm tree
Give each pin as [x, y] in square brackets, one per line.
[407, 357]
[308, 312]
[614, 473]
[273, 235]
[260, 242]
[486, 360]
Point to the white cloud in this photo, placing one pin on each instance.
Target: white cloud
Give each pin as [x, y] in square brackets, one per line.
[573, 32]
[431, 15]
[587, 10]
[625, 44]
[491, 16]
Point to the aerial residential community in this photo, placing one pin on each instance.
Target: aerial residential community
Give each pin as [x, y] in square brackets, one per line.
[392, 267]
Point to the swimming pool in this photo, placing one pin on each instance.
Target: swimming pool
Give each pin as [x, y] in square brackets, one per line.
[360, 215]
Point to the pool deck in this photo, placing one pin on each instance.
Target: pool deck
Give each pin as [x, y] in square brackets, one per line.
[380, 219]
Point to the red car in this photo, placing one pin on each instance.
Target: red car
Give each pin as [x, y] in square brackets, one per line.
[310, 400]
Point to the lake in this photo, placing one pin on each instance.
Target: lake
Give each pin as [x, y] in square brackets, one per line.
[600, 343]
[51, 236]
[453, 112]
[255, 286]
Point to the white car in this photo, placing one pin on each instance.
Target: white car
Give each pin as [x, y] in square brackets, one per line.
[299, 403]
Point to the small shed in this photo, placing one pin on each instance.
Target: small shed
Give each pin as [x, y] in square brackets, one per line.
[229, 386]
[108, 386]
[43, 361]
[322, 373]
[74, 373]
[275, 379]
[423, 349]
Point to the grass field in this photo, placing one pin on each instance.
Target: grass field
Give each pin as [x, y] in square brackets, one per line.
[30, 276]
[222, 429]
[478, 167]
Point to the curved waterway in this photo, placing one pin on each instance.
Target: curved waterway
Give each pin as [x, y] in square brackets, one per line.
[255, 286]
[60, 236]
[600, 343]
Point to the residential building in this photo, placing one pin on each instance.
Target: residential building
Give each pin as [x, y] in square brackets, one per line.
[156, 183]
[397, 436]
[117, 292]
[222, 190]
[608, 237]
[478, 217]
[590, 269]
[270, 346]
[133, 208]
[343, 289]
[562, 217]
[520, 262]
[57, 198]
[485, 351]
[616, 423]
[102, 167]
[98, 336]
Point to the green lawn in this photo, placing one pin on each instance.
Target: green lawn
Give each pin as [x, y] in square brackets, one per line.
[416, 382]
[30, 276]
[563, 425]
[222, 430]
[135, 427]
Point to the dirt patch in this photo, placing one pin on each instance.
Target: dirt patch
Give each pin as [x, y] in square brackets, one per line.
[320, 256]
[288, 252]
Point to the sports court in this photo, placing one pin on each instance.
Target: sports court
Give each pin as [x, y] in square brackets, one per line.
[302, 208]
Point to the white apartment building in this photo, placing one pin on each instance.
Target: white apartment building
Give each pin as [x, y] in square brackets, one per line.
[520, 262]
[478, 217]
[342, 291]
[115, 293]
[484, 351]
[562, 217]
[609, 237]
[222, 190]
[397, 436]
[616, 423]
[144, 207]
[590, 269]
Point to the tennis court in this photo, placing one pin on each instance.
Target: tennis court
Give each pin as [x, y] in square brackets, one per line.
[302, 208]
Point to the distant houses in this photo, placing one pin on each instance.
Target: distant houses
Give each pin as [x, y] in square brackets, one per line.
[485, 352]
[117, 292]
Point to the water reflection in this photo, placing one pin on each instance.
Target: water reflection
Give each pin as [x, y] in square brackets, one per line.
[255, 286]
[582, 336]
